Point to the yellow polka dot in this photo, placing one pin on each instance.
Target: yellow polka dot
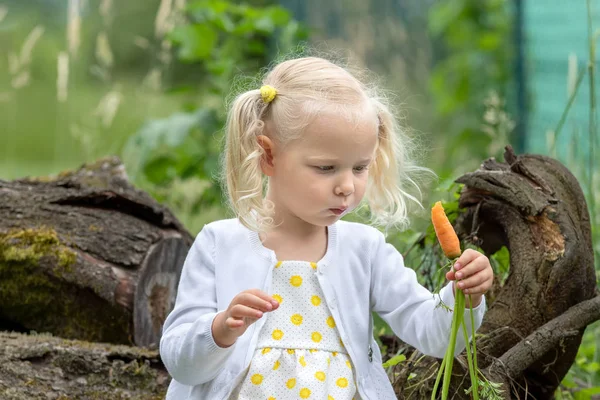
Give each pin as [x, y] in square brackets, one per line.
[276, 365]
[342, 382]
[278, 298]
[328, 360]
[257, 379]
[277, 334]
[266, 350]
[290, 351]
[313, 265]
[316, 337]
[320, 375]
[334, 353]
[313, 350]
[341, 343]
[291, 383]
[302, 361]
[296, 319]
[304, 393]
[296, 280]
[348, 364]
[315, 300]
[271, 398]
[330, 322]
[278, 264]
[330, 398]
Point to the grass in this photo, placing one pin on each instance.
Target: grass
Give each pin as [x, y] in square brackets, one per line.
[46, 137]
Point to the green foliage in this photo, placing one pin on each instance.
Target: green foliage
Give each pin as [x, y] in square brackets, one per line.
[397, 359]
[474, 39]
[222, 39]
[225, 39]
[180, 147]
[583, 379]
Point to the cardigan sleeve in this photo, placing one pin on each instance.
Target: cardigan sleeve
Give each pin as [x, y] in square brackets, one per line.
[412, 311]
[187, 347]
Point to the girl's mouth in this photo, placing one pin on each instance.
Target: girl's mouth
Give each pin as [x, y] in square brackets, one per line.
[338, 211]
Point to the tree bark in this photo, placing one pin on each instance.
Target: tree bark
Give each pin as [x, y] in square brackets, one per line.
[87, 256]
[535, 207]
[536, 318]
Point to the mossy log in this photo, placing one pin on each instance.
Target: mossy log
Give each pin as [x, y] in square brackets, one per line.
[85, 255]
[44, 367]
[536, 318]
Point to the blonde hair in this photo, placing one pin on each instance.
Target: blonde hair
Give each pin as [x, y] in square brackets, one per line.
[307, 87]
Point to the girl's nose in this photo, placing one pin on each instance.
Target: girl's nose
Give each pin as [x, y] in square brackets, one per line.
[345, 188]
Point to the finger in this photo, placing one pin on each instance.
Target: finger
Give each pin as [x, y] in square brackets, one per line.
[234, 323]
[480, 289]
[240, 311]
[474, 281]
[251, 300]
[466, 257]
[264, 296]
[474, 267]
[451, 275]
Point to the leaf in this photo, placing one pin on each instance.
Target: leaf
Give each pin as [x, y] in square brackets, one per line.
[264, 24]
[196, 42]
[592, 367]
[225, 23]
[502, 260]
[280, 16]
[160, 170]
[443, 14]
[394, 361]
[256, 47]
[158, 136]
[490, 41]
[586, 394]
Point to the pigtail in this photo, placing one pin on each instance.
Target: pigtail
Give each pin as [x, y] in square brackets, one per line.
[390, 174]
[243, 154]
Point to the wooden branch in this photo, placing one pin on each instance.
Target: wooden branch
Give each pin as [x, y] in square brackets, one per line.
[548, 336]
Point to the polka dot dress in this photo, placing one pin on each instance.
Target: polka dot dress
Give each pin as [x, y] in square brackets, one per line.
[299, 354]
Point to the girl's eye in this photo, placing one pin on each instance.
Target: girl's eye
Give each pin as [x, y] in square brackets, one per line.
[324, 168]
[362, 168]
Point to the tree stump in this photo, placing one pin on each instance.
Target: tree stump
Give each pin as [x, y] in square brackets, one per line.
[87, 256]
[535, 321]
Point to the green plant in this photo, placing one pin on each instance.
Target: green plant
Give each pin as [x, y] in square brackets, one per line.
[221, 39]
[474, 57]
[583, 380]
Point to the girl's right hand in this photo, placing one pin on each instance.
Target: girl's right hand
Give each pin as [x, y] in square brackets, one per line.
[246, 308]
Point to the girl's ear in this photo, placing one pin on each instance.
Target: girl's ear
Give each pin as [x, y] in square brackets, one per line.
[266, 162]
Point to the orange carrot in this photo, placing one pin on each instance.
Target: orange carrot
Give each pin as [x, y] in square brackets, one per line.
[445, 232]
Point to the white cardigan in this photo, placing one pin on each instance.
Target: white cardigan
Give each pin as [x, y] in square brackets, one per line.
[359, 273]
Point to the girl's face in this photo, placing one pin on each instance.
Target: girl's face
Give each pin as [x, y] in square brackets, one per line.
[321, 176]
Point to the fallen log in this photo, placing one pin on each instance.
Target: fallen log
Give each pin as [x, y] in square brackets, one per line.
[85, 255]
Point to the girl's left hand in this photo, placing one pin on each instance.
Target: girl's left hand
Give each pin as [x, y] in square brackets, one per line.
[473, 274]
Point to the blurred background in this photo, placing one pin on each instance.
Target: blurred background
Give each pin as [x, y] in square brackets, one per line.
[147, 80]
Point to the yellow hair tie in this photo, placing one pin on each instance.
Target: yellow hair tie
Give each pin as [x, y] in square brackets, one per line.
[268, 93]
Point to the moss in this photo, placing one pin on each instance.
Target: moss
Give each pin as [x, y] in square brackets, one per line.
[43, 302]
[30, 245]
[20, 253]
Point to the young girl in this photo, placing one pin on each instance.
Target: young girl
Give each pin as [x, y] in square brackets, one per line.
[276, 304]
